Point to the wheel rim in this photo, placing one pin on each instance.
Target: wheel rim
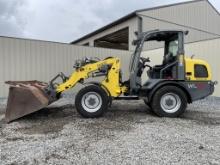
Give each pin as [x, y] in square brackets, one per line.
[91, 102]
[170, 102]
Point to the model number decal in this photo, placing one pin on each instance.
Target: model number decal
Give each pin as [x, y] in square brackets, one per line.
[197, 86]
[192, 86]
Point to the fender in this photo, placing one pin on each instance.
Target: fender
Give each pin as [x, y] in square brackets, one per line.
[103, 87]
[163, 83]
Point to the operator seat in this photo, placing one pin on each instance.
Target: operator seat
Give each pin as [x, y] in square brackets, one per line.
[154, 73]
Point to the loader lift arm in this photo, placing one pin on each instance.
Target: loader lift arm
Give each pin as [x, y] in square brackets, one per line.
[110, 68]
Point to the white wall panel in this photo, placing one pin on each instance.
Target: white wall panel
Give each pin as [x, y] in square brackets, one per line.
[199, 15]
[39, 60]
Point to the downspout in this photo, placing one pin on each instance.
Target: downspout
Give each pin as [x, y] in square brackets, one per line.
[140, 24]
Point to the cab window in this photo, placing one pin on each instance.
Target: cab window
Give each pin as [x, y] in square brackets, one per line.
[173, 47]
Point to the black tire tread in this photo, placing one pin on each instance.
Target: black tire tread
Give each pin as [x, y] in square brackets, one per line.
[149, 106]
[155, 104]
[83, 91]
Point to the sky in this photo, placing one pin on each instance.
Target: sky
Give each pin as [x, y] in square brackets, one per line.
[66, 20]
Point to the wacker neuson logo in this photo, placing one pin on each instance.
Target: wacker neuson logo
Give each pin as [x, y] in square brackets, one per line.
[197, 86]
[192, 86]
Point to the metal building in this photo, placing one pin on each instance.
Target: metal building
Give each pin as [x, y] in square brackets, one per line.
[199, 17]
[23, 59]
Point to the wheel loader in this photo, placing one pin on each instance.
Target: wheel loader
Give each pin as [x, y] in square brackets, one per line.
[170, 86]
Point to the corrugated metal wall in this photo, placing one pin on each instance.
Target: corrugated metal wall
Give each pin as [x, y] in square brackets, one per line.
[39, 60]
[206, 50]
[198, 17]
[197, 14]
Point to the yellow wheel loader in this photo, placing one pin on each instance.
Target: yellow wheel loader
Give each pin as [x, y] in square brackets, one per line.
[173, 84]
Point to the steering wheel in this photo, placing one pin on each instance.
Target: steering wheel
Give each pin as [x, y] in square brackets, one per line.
[144, 61]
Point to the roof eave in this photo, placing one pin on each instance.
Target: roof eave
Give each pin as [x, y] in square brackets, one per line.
[125, 18]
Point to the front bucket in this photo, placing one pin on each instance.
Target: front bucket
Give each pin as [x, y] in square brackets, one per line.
[25, 98]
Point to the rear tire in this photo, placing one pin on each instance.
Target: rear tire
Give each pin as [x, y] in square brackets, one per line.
[91, 101]
[169, 101]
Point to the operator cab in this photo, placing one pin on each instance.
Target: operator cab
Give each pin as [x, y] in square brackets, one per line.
[168, 68]
[169, 42]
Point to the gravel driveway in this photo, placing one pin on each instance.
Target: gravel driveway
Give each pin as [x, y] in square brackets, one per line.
[127, 134]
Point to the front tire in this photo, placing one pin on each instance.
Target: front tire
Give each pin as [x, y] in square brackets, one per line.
[169, 101]
[91, 101]
[149, 106]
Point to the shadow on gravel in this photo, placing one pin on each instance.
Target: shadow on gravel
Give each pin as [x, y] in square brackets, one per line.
[120, 117]
[52, 120]
[201, 117]
[45, 120]
[48, 120]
